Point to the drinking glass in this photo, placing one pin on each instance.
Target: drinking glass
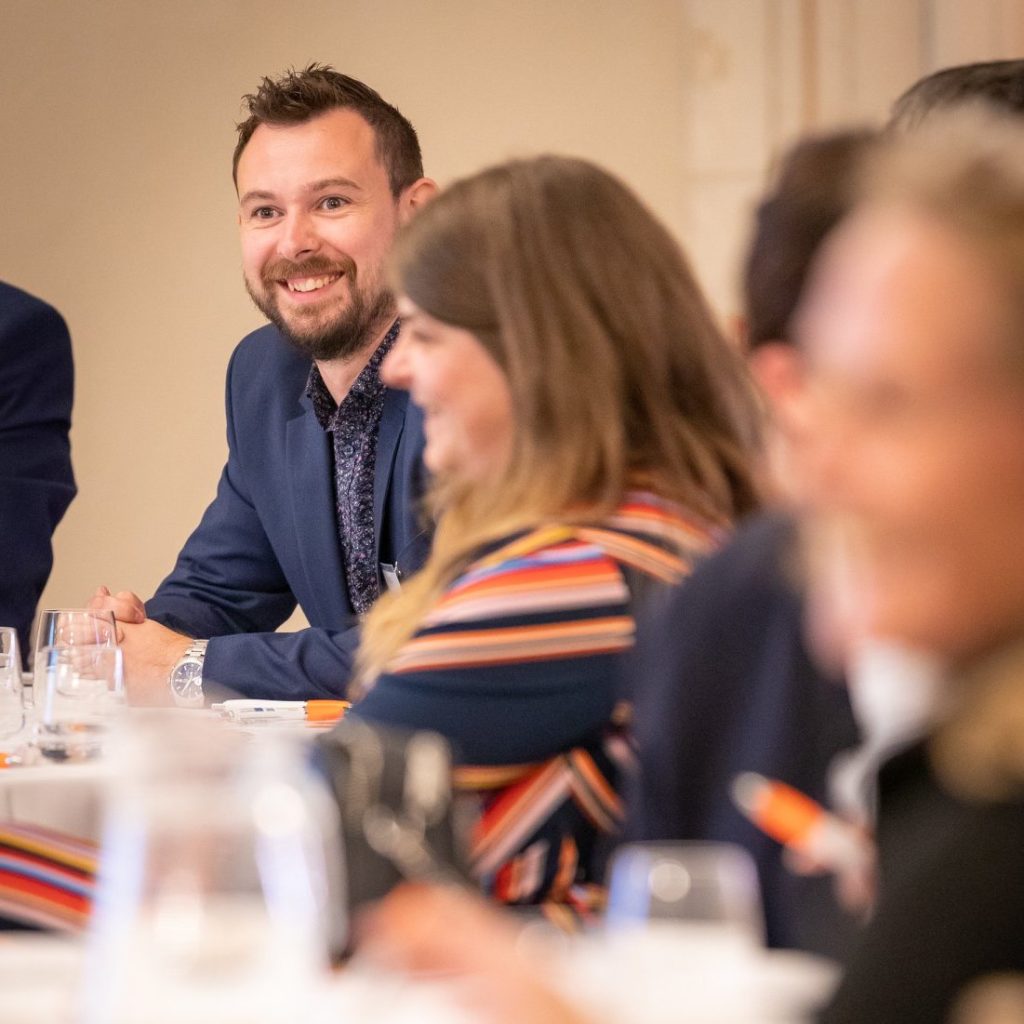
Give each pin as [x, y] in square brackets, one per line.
[70, 627]
[12, 716]
[682, 938]
[212, 892]
[683, 942]
[711, 884]
[62, 627]
[79, 691]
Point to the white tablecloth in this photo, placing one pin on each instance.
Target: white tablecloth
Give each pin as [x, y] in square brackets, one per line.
[652, 981]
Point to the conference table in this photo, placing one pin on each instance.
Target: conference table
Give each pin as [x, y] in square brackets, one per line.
[659, 973]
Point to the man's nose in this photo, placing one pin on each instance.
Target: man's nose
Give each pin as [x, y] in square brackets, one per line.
[299, 237]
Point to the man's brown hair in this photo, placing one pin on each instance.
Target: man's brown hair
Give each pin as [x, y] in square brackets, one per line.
[814, 188]
[997, 82]
[300, 96]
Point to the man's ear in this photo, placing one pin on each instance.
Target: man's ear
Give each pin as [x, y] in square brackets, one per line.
[418, 194]
[778, 369]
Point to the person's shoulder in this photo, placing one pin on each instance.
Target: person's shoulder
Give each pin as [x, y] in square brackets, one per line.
[541, 569]
[265, 366]
[532, 551]
[653, 537]
[19, 308]
[645, 534]
[19, 302]
[267, 346]
[758, 561]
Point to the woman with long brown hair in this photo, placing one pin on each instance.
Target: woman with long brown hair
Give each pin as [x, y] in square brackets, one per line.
[588, 432]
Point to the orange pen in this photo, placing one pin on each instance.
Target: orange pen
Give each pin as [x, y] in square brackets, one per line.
[801, 824]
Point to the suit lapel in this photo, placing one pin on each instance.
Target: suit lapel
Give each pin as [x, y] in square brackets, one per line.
[392, 422]
[311, 486]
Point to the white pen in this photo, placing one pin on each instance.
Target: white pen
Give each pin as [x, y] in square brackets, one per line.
[281, 710]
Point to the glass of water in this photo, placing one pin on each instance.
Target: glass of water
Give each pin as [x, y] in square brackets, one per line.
[79, 692]
[713, 884]
[62, 627]
[69, 627]
[210, 904]
[12, 716]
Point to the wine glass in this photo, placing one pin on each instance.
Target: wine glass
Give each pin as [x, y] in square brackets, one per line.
[79, 690]
[12, 716]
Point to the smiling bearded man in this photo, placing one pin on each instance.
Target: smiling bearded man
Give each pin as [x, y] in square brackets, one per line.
[318, 502]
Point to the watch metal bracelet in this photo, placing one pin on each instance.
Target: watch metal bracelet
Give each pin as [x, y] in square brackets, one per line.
[186, 679]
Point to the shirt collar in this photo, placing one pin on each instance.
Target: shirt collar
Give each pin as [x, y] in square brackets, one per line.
[367, 386]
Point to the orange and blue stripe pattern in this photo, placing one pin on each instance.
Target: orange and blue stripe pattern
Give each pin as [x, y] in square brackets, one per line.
[519, 665]
[47, 878]
[557, 592]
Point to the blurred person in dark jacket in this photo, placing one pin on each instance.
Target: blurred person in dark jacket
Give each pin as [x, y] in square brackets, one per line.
[36, 480]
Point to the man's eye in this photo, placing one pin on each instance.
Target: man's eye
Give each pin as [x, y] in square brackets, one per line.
[262, 213]
[334, 203]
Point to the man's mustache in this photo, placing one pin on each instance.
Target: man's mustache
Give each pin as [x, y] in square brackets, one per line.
[316, 266]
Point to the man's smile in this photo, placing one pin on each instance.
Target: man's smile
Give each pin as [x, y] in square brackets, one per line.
[310, 284]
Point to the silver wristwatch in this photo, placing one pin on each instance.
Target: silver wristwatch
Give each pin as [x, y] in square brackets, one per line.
[187, 676]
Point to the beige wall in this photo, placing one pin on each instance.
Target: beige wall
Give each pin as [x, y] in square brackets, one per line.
[116, 126]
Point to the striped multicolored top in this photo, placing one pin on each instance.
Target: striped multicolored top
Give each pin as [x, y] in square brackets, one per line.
[521, 662]
[558, 592]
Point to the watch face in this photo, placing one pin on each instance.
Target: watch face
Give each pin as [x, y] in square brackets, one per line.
[187, 683]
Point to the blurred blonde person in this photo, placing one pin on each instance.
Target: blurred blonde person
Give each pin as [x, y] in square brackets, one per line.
[915, 340]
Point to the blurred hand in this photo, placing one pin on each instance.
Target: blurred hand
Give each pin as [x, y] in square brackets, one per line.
[150, 652]
[433, 929]
[855, 885]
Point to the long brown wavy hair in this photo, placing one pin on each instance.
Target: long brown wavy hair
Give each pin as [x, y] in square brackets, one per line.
[618, 373]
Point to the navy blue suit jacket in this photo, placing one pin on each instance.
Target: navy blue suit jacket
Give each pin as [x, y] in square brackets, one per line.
[36, 482]
[725, 685]
[269, 540]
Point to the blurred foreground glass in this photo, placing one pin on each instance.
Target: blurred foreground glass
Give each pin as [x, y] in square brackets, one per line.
[684, 942]
[70, 627]
[12, 716]
[79, 693]
[213, 880]
[707, 884]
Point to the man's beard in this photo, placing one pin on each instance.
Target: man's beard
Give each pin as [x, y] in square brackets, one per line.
[327, 333]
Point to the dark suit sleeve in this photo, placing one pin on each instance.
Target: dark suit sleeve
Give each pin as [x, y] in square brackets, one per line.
[228, 585]
[36, 481]
[309, 663]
